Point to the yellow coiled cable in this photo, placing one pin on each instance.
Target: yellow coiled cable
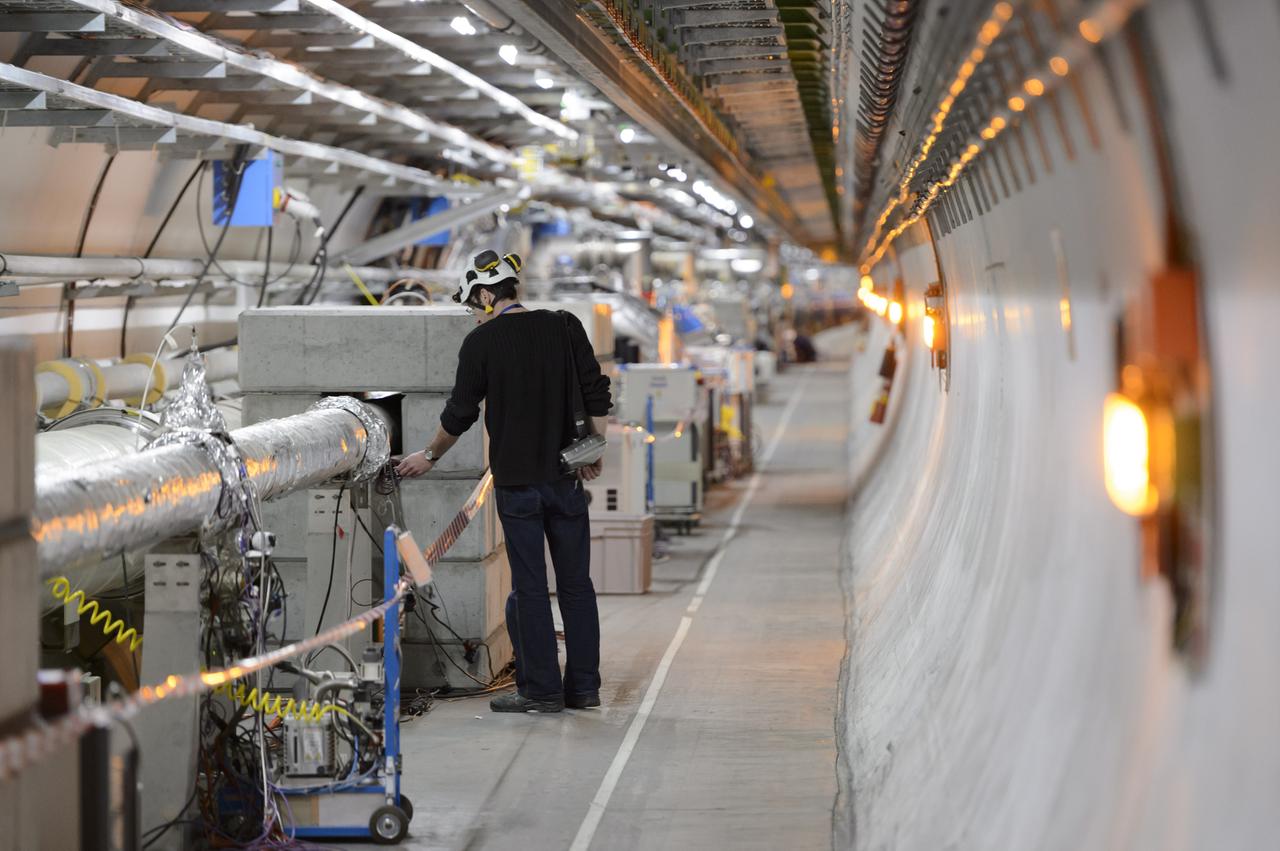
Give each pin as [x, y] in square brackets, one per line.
[60, 586]
[276, 704]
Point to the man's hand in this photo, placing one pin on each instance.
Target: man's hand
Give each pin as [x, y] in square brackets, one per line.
[593, 471]
[415, 465]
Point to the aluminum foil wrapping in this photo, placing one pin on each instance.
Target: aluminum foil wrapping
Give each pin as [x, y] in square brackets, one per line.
[192, 406]
[87, 515]
[378, 440]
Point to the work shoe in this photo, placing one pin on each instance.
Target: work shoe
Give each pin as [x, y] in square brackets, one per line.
[590, 700]
[516, 702]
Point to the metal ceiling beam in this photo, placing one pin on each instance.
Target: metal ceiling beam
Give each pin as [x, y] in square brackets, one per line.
[225, 5]
[58, 118]
[45, 22]
[418, 53]
[278, 39]
[737, 51]
[718, 34]
[167, 70]
[313, 22]
[739, 66]
[287, 75]
[98, 102]
[104, 47]
[611, 69]
[22, 100]
[716, 17]
[389, 243]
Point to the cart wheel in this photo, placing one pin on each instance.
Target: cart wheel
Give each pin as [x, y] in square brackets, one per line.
[388, 825]
[407, 806]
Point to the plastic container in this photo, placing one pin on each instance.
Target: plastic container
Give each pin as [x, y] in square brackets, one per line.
[621, 555]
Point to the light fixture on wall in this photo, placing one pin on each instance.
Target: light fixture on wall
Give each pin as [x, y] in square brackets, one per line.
[1127, 456]
[935, 324]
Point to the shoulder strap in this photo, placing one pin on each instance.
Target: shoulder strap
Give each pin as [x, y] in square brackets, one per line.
[573, 384]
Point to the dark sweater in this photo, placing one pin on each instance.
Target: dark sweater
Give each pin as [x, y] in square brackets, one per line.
[515, 363]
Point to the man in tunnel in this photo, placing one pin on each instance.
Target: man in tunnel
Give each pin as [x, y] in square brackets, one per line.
[521, 363]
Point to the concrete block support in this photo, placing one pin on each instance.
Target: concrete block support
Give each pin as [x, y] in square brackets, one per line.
[419, 419]
[351, 349]
[430, 506]
[472, 598]
[289, 358]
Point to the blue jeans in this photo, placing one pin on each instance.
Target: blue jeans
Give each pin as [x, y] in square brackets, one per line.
[554, 512]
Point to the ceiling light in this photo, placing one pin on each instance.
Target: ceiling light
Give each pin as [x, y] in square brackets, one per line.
[543, 80]
[462, 26]
[746, 221]
[626, 135]
[509, 53]
[746, 265]
[678, 174]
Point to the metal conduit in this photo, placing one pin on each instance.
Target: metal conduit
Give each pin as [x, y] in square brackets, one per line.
[886, 47]
[151, 268]
[85, 516]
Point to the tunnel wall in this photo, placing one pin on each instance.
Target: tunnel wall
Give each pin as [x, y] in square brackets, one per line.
[1011, 681]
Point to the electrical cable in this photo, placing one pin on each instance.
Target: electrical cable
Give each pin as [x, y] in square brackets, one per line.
[333, 559]
[164, 223]
[238, 169]
[266, 269]
[164, 828]
[434, 608]
[324, 241]
[133, 657]
[295, 250]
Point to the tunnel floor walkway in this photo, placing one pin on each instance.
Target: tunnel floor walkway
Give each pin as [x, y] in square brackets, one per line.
[720, 685]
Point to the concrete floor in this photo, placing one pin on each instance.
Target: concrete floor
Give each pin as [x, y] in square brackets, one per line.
[737, 749]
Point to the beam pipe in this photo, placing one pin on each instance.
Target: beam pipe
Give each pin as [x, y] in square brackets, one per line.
[85, 516]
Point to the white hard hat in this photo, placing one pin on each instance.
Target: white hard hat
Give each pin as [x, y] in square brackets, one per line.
[487, 269]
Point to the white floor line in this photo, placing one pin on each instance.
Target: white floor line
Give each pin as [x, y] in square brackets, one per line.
[587, 831]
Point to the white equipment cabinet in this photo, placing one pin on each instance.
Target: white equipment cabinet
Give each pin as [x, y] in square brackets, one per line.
[621, 526]
[766, 372]
[679, 420]
[621, 487]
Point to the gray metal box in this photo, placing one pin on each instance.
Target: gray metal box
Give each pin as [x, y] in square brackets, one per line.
[431, 504]
[419, 419]
[351, 349]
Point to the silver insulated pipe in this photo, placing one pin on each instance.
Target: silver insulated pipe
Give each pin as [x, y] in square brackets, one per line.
[94, 513]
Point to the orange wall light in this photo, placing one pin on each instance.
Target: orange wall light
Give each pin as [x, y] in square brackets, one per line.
[1126, 454]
